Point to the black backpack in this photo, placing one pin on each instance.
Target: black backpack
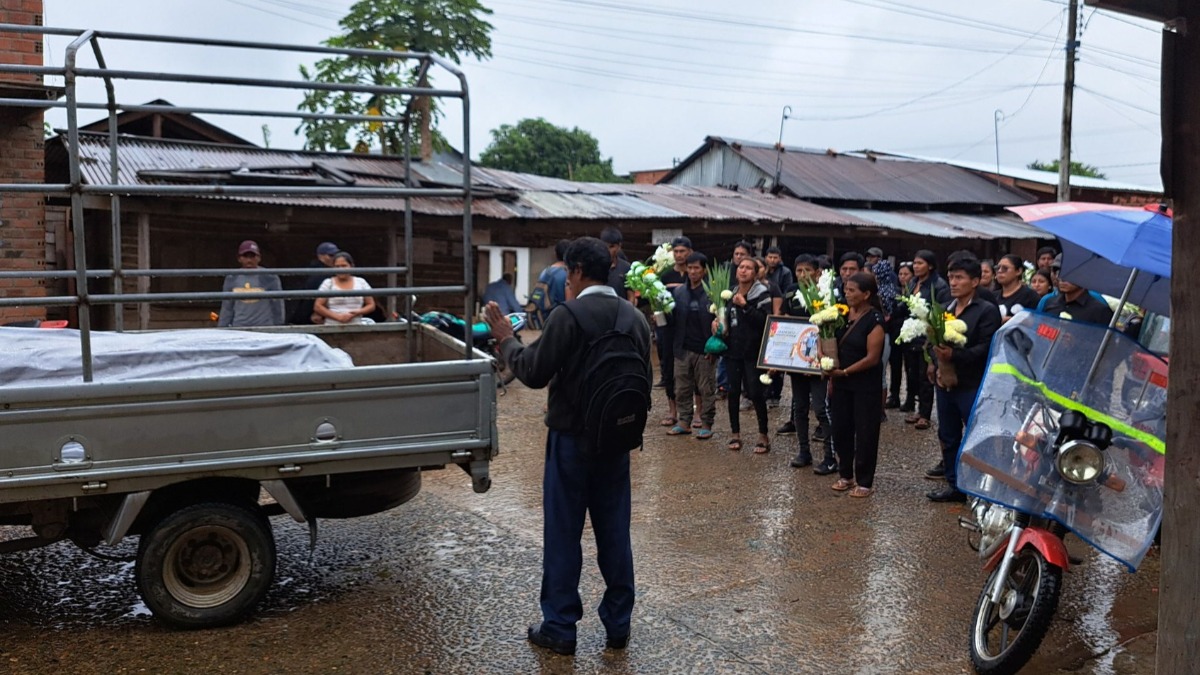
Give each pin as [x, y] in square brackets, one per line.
[614, 390]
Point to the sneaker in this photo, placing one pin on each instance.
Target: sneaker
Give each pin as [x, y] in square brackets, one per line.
[825, 468]
[745, 404]
[821, 434]
[908, 407]
[772, 403]
[892, 403]
[786, 428]
[802, 459]
[937, 472]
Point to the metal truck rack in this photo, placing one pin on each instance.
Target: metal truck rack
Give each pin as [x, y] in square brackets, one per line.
[73, 73]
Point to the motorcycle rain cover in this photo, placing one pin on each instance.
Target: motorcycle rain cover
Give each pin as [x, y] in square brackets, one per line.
[1037, 369]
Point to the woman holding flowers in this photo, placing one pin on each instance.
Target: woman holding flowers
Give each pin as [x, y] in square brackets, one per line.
[929, 287]
[746, 318]
[855, 404]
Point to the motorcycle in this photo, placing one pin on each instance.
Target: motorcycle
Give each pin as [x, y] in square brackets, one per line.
[481, 338]
[1067, 436]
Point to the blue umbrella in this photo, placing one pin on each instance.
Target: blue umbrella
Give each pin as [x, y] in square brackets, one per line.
[1105, 247]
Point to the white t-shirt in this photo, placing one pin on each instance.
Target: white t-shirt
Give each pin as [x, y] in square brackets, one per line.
[346, 304]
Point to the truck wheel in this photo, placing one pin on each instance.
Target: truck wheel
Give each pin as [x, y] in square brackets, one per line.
[206, 565]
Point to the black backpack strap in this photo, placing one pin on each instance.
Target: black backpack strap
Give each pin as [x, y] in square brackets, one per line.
[590, 324]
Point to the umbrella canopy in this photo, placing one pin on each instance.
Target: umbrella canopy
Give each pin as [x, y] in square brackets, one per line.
[1103, 244]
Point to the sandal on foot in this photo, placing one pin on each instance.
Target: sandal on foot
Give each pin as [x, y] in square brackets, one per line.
[668, 422]
[860, 491]
[734, 444]
[912, 419]
[843, 484]
[678, 431]
[762, 448]
[704, 434]
[921, 424]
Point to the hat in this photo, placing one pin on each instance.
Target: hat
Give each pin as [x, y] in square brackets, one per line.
[1057, 264]
[875, 251]
[248, 246]
[681, 241]
[327, 248]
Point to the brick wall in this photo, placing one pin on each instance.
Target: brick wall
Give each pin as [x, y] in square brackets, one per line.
[22, 215]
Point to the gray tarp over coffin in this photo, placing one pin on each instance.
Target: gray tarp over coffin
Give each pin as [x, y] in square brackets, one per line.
[32, 357]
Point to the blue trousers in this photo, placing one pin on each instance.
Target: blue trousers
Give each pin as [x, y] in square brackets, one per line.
[578, 484]
[953, 409]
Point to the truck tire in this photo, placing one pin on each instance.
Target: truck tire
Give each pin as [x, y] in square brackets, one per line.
[206, 565]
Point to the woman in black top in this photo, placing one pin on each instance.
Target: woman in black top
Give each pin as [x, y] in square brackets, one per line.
[1014, 294]
[746, 317]
[855, 404]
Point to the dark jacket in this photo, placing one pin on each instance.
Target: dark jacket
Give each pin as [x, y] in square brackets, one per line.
[782, 276]
[746, 324]
[983, 320]
[556, 358]
[301, 312]
[792, 306]
[934, 287]
[681, 314]
[1083, 308]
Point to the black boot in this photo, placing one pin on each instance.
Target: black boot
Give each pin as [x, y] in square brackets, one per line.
[802, 459]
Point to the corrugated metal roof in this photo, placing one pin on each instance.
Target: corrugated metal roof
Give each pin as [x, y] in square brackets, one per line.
[505, 195]
[950, 225]
[814, 174]
[1044, 177]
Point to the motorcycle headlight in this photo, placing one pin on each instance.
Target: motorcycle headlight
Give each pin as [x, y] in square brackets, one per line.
[1079, 462]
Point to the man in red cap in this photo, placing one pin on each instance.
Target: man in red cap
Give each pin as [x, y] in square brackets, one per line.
[250, 310]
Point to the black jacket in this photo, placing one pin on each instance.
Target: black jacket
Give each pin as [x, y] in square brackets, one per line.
[746, 323]
[556, 358]
[679, 318]
[983, 320]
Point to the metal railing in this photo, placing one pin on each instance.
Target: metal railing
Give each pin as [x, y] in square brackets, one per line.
[72, 74]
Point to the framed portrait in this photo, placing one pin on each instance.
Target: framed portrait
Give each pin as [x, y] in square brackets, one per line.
[790, 344]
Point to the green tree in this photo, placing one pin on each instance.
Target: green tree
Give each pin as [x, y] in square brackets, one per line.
[539, 147]
[449, 28]
[1077, 168]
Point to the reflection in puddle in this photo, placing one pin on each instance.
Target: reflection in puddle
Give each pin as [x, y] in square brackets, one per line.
[884, 611]
[1095, 623]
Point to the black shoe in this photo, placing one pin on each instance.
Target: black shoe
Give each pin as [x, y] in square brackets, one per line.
[892, 403]
[946, 494]
[564, 647]
[661, 384]
[617, 642]
[825, 468]
[938, 472]
[821, 434]
[786, 428]
[908, 407]
[802, 459]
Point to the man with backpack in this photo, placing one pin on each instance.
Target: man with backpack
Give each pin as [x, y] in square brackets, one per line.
[550, 291]
[595, 357]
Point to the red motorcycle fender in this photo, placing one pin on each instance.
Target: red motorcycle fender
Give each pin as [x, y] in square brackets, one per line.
[1051, 547]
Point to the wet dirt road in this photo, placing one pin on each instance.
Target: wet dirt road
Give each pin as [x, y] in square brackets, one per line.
[744, 565]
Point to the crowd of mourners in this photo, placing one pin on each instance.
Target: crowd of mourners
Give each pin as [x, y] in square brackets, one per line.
[836, 416]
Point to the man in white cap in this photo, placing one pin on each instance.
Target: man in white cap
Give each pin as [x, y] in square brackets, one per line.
[250, 310]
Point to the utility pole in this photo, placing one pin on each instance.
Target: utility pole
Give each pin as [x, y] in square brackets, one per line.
[1064, 156]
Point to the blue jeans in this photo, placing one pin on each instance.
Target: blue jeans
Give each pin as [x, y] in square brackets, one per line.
[576, 484]
[953, 409]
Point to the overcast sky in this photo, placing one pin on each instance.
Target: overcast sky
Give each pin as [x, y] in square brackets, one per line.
[651, 78]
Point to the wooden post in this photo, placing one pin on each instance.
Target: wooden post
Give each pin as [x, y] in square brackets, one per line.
[143, 263]
[1179, 596]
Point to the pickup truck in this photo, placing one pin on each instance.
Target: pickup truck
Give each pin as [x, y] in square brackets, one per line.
[195, 466]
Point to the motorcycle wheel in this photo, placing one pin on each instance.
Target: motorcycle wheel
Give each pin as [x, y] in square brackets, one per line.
[1005, 635]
